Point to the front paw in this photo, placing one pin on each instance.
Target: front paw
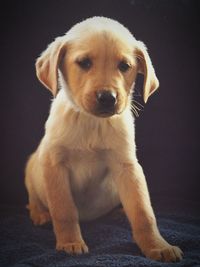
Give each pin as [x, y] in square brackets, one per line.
[166, 253]
[73, 247]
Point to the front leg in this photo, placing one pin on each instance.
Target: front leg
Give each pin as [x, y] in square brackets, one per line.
[63, 209]
[135, 199]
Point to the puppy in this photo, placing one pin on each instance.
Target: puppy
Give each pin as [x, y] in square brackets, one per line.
[86, 163]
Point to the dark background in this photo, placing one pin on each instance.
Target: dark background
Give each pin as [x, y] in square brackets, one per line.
[167, 130]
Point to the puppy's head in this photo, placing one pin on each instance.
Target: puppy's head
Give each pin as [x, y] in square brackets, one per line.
[98, 60]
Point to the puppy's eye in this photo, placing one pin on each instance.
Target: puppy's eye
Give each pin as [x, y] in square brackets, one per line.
[124, 66]
[85, 63]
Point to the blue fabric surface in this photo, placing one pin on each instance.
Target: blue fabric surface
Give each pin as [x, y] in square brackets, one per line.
[109, 239]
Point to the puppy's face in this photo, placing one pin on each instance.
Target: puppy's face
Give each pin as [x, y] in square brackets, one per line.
[100, 72]
[99, 60]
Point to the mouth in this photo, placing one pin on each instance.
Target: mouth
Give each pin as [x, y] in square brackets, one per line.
[104, 113]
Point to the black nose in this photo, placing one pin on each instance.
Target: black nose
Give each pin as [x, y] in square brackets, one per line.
[106, 99]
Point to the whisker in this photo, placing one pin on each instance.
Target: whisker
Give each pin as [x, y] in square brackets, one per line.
[134, 110]
[138, 103]
[137, 108]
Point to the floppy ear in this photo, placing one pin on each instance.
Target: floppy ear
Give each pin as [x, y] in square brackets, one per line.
[48, 63]
[151, 82]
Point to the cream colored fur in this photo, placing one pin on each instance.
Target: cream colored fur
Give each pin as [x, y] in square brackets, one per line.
[86, 165]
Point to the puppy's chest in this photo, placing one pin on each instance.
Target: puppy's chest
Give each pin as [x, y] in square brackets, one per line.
[87, 168]
[92, 185]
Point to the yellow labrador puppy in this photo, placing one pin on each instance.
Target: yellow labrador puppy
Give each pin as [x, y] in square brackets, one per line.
[86, 163]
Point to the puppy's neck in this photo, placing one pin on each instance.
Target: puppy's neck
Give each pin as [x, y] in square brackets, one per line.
[80, 130]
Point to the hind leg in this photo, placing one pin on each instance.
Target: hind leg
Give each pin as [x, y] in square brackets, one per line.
[38, 212]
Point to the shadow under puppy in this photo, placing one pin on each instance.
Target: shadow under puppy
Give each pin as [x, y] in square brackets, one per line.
[86, 163]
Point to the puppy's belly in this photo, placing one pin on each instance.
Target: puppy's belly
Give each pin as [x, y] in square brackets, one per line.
[93, 188]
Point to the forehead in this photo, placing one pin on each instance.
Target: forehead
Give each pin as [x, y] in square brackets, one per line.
[99, 45]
